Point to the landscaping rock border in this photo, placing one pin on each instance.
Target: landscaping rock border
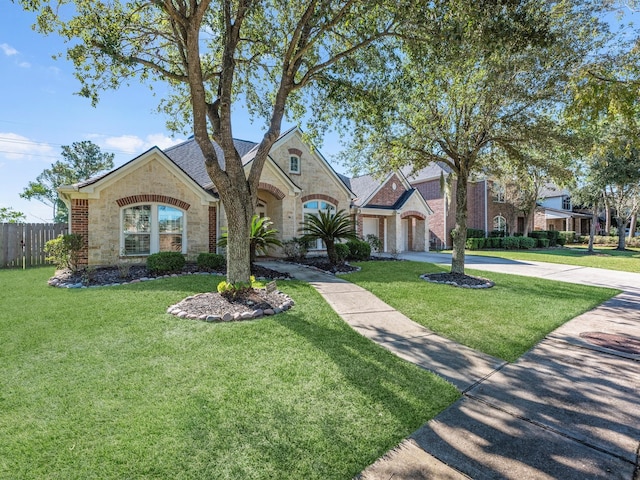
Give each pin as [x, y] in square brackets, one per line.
[191, 307]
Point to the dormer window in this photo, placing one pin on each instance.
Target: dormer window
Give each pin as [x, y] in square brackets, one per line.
[566, 203]
[294, 164]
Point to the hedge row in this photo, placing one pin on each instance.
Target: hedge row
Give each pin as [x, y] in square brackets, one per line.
[509, 243]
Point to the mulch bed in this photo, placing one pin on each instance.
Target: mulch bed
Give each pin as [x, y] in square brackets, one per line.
[458, 280]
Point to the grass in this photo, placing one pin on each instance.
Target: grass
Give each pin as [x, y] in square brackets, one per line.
[604, 257]
[101, 383]
[504, 321]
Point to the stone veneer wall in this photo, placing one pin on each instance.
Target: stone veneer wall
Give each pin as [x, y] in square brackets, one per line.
[150, 180]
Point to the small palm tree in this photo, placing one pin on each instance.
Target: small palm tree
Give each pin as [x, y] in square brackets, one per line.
[328, 227]
[262, 237]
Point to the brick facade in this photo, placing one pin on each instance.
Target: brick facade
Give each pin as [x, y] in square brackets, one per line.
[387, 195]
[80, 226]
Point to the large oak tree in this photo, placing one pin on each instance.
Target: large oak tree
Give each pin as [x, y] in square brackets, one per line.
[493, 83]
[213, 53]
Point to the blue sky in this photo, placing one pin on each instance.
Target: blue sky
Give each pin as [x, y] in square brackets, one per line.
[39, 112]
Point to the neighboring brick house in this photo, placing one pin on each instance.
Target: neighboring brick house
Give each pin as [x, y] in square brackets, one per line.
[555, 212]
[488, 209]
[391, 210]
[165, 200]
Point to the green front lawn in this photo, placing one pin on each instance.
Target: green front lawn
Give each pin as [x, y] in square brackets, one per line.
[605, 257]
[101, 383]
[504, 321]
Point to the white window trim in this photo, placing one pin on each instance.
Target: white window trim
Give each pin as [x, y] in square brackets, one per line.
[504, 221]
[319, 244]
[154, 243]
[291, 157]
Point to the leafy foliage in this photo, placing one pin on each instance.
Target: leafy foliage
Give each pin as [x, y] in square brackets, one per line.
[9, 215]
[359, 250]
[328, 227]
[493, 85]
[275, 57]
[81, 161]
[210, 261]
[165, 262]
[262, 237]
[64, 251]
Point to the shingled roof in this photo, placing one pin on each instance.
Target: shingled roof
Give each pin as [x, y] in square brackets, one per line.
[189, 158]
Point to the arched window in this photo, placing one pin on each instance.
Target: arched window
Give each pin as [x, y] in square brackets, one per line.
[152, 228]
[500, 224]
[313, 207]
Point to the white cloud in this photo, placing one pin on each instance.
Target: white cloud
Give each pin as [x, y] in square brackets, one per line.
[8, 49]
[132, 144]
[24, 65]
[17, 147]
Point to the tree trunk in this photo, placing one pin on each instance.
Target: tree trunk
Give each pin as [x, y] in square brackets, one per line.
[460, 230]
[239, 211]
[592, 230]
[527, 222]
[621, 237]
[607, 217]
[331, 252]
[632, 225]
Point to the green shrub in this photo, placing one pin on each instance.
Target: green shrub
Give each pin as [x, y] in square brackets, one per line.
[538, 234]
[295, 249]
[526, 242]
[232, 290]
[494, 242]
[553, 236]
[342, 252]
[511, 243]
[210, 261]
[374, 242]
[543, 243]
[476, 243]
[497, 233]
[64, 251]
[165, 262]
[475, 233]
[359, 250]
[567, 236]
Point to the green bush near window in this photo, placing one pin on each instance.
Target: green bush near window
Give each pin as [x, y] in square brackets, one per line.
[553, 236]
[475, 233]
[497, 233]
[210, 261]
[64, 251]
[165, 262]
[342, 252]
[568, 236]
[495, 242]
[543, 242]
[359, 250]
[511, 243]
[526, 242]
[475, 243]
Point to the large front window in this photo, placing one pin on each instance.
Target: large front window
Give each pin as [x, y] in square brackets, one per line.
[152, 228]
[313, 208]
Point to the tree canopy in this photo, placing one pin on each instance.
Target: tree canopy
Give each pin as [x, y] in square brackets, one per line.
[80, 161]
[492, 85]
[213, 53]
[9, 215]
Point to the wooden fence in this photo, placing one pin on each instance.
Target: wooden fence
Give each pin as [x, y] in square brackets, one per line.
[22, 244]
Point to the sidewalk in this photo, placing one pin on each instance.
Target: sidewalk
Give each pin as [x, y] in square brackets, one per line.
[568, 409]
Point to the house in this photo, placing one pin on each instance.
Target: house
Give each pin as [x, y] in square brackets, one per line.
[488, 207]
[165, 200]
[555, 212]
[393, 211]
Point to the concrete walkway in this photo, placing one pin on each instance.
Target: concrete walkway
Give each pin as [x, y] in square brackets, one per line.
[567, 409]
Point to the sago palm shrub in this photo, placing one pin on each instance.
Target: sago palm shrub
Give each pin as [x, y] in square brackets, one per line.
[328, 227]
